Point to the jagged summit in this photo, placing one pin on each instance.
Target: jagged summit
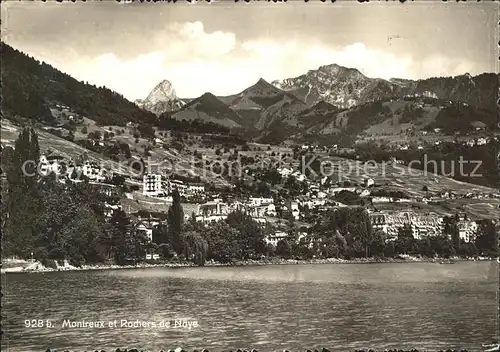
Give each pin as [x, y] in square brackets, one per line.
[161, 99]
[338, 85]
[161, 92]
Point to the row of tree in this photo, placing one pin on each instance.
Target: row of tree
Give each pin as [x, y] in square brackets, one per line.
[46, 219]
[342, 233]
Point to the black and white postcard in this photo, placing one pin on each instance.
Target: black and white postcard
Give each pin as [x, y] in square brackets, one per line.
[243, 176]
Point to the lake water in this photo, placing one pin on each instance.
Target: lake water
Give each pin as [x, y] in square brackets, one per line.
[341, 307]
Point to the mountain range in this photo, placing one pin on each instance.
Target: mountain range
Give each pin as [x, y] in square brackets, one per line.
[328, 101]
[347, 87]
[335, 99]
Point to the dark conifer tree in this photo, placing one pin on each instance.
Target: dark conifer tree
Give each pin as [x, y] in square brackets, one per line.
[24, 204]
[175, 218]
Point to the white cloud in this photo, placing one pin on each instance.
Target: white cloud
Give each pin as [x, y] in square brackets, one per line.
[196, 61]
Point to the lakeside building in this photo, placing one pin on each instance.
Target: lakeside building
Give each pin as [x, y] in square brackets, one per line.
[212, 211]
[145, 222]
[274, 238]
[467, 228]
[145, 230]
[422, 225]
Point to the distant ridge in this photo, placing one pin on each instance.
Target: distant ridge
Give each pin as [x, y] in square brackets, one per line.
[347, 87]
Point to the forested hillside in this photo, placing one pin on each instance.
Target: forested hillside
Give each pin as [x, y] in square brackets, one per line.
[30, 88]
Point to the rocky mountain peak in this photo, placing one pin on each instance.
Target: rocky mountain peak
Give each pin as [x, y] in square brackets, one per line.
[338, 85]
[161, 99]
[163, 91]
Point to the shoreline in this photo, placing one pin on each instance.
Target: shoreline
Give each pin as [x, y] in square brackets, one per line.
[37, 267]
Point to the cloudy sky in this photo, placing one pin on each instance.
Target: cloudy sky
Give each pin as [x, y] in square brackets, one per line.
[225, 47]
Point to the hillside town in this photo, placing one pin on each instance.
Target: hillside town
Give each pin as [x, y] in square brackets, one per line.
[315, 197]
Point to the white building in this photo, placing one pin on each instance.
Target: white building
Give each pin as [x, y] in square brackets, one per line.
[481, 141]
[467, 230]
[146, 227]
[94, 172]
[271, 210]
[368, 182]
[285, 172]
[51, 164]
[109, 208]
[154, 185]
[299, 176]
[258, 201]
[422, 225]
[194, 190]
[212, 211]
[334, 190]
[177, 184]
[273, 239]
[294, 210]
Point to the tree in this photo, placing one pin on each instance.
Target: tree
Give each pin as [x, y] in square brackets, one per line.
[442, 246]
[195, 247]
[175, 219]
[283, 249]
[329, 248]
[487, 238]
[117, 180]
[222, 242]
[390, 249]
[250, 235]
[71, 136]
[160, 234]
[71, 225]
[95, 135]
[166, 250]
[451, 229]
[23, 201]
[292, 185]
[120, 236]
[377, 244]
[302, 249]
[405, 239]
[424, 247]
